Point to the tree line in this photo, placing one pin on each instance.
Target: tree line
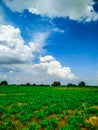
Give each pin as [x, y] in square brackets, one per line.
[55, 83]
[81, 84]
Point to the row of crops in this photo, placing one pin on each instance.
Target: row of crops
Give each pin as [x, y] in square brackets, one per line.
[48, 108]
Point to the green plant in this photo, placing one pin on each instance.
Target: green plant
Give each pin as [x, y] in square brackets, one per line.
[40, 115]
[44, 123]
[33, 126]
[8, 125]
[53, 122]
[23, 105]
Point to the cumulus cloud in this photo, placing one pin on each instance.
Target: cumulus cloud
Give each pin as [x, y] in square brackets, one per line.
[47, 59]
[46, 71]
[12, 47]
[75, 9]
[54, 68]
[16, 65]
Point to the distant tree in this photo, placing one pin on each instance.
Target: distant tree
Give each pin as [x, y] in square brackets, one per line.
[71, 85]
[22, 84]
[41, 85]
[82, 84]
[34, 84]
[4, 82]
[28, 84]
[56, 83]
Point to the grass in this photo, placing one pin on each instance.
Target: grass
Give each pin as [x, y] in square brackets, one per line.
[48, 108]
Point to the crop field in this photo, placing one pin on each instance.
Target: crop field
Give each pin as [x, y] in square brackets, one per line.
[48, 108]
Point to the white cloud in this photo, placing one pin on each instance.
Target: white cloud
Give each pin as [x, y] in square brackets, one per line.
[16, 65]
[46, 71]
[93, 16]
[38, 42]
[58, 30]
[54, 68]
[47, 59]
[75, 9]
[12, 47]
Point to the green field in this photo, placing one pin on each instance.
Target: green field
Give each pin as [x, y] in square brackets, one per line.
[48, 108]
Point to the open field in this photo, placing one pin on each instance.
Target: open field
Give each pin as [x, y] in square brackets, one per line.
[48, 108]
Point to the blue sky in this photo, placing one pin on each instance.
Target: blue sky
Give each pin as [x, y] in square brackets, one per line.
[54, 38]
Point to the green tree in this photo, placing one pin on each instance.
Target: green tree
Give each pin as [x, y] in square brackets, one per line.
[28, 84]
[56, 83]
[82, 84]
[4, 82]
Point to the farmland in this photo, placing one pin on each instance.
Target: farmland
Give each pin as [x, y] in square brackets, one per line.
[48, 108]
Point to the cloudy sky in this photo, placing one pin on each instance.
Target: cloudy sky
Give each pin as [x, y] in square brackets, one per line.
[46, 40]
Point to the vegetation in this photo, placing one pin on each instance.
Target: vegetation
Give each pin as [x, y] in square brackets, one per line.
[82, 84]
[4, 83]
[48, 108]
[56, 83]
[71, 85]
